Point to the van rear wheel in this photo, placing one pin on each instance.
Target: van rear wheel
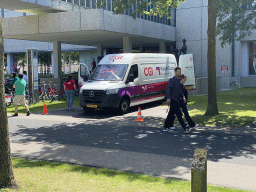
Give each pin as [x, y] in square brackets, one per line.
[124, 106]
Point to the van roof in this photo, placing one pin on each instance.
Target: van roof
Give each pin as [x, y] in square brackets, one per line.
[126, 58]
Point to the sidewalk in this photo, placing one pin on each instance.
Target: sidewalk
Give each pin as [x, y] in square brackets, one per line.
[235, 172]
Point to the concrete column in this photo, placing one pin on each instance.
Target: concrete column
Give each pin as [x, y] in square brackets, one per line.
[99, 50]
[10, 61]
[69, 61]
[52, 63]
[99, 53]
[127, 45]
[245, 59]
[162, 47]
[57, 59]
[64, 66]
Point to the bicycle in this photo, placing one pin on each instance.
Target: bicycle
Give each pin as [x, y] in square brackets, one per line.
[12, 94]
[44, 95]
[59, 96]
[33, 96]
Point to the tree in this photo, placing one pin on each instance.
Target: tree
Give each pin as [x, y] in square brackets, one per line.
[6, 171]
[74, 56]
[21, 59]
[234, 22]
[44, 58]
[212, 108]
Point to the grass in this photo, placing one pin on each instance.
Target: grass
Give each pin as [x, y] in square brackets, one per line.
[39, 106]
[237, 108]
[52, 176]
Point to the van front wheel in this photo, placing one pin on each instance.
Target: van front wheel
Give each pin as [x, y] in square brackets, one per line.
[124, 106]
[88, 110]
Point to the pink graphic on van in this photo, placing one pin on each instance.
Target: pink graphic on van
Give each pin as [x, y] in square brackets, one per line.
[158, 69]
[143, 89]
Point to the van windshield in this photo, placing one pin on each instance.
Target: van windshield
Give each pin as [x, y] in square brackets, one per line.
[107, 72]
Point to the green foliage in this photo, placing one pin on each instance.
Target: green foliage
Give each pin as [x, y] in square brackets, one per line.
[45, 76]
[236, 19]
[44, 58]
[21, 59]
[161, 7]
[74, 56]
[74, 75]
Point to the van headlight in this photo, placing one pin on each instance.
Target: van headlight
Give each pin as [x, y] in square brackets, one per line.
[112, 91]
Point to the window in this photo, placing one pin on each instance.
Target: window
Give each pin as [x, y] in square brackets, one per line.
[134, 71]
[252, 58]
[76, 2]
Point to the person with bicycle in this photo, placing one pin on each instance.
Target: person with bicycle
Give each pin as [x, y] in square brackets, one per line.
[19, 97]
[70, 88]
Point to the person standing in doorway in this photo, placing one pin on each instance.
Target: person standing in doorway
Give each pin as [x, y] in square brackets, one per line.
[173, 94]
[93, 64]
[70, 88]
[20, 85]
[183, 105]
[25, 77]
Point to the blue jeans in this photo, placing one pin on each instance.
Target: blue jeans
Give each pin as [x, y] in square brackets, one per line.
[70, 98]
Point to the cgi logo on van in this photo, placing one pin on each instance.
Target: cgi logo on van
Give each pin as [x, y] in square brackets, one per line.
[115, 57]
[148, 71]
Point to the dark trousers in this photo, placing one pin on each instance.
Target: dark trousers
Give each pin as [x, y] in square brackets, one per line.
[188, 118]
[174, 110]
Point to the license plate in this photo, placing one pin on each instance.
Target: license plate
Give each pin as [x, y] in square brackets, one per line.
[92, 106]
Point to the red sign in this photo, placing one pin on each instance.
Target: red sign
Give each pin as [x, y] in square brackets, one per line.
[148, 71]
[224, 69]
[115, 57]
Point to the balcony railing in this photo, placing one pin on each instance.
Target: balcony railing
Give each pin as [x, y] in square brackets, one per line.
[91, 4]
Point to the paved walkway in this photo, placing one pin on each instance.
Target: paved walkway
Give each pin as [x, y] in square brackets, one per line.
[119, 142]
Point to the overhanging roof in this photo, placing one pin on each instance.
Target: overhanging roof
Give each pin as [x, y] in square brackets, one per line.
[90, 27]
[22, 6]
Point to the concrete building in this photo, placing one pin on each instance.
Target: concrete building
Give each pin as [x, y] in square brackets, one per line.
[54, 25]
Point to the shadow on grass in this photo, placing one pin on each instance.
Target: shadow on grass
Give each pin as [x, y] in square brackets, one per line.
[129, 176]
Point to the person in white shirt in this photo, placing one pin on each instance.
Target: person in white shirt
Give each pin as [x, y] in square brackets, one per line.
[25, 77]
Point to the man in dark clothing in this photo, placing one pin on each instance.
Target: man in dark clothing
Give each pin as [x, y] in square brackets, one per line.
[173, 94]
[183, 105]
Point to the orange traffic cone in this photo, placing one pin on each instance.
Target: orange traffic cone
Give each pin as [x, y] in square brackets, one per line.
[139, 118]
[45, 110]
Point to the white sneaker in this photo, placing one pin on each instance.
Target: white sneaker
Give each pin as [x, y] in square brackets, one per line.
[166, 129]
[172, 128]
[196, 125]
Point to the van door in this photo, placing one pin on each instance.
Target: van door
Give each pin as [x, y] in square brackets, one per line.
[186, 63]
[133, 87]
[83, 74]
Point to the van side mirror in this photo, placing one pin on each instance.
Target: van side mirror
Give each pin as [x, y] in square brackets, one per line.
[130, 78]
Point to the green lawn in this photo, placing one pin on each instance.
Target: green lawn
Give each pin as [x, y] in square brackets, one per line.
[237, 108]
[39, 106]
[46, 176]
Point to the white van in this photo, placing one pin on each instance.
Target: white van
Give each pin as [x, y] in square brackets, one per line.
[124, 80]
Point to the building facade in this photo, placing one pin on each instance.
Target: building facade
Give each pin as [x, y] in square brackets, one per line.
[78, 25]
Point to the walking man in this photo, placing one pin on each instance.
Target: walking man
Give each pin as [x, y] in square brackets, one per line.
[20, 85]
[183, 105]
[173, 94]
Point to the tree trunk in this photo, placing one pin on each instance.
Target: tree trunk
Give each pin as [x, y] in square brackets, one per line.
[6, 172]
[212, 108]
